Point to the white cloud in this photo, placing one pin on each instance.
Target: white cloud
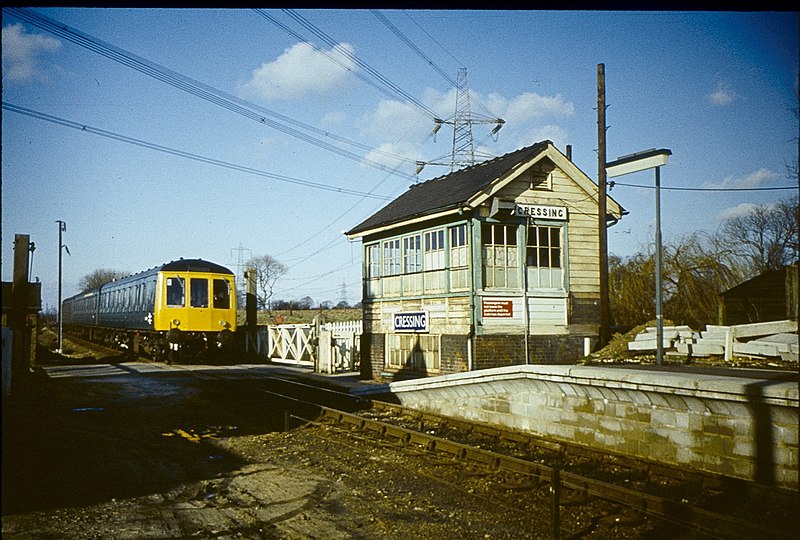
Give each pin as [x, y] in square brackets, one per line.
[333, 118]
[722, 95]
[550, 132]
[395, 120]
[736, 211]
[21, 53]
[530, 106]
[406, 150]
[300, 71]
[525, 117]
[752, 180]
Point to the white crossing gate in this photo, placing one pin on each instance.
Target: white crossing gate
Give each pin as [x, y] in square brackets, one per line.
[336, 349]
[288, 344]
[342, 341]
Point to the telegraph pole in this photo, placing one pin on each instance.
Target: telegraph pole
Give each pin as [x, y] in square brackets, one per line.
[601, 203]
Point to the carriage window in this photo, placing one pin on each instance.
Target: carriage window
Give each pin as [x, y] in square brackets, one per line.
[175, 292]
[222, 294]
[199, 292]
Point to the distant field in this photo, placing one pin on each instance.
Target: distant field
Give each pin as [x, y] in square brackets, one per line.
[301, 316]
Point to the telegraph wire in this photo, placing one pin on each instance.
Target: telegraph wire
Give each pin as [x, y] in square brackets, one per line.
[779, 188]
[316, 278]
[188, 155]
[203, 91]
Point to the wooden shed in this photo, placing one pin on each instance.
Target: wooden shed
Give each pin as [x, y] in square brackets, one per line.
[495, 264]
[771, 296]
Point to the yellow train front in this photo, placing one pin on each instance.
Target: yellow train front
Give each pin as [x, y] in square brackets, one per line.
[195, 299]
[176, 311]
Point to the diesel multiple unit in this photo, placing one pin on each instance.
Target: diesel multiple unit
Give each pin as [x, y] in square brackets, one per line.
[178, 307]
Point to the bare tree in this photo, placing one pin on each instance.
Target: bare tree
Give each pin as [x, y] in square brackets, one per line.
[268, 271]
[697, 269]
[764, 238]
[632, 289]
[99, 277]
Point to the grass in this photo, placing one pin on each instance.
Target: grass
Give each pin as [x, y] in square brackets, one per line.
[304, 316]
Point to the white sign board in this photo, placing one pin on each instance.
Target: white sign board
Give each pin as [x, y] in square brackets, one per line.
[541, 212]
[410, 321]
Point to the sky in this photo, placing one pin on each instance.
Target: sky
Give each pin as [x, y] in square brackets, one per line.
[270, 132]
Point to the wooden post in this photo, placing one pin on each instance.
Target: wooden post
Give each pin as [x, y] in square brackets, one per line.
[601, 204]
[21, 337]
[251, 313]
[555, 515]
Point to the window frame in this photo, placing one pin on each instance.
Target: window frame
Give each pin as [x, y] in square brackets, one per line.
[508, 251]
[534, 281]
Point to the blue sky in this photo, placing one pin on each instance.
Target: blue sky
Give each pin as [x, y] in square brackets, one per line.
[718, 89]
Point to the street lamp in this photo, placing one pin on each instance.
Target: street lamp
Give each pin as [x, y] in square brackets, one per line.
[640, 161]
[62, 228]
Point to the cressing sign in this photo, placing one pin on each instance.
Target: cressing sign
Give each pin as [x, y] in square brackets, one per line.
[541, 212]
[410, 321]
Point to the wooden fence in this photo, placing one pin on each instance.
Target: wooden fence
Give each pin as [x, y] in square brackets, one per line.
[333, 348]
[340, 347]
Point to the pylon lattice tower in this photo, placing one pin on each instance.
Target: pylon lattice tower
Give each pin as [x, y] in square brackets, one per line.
[463, 151]
[463, 145]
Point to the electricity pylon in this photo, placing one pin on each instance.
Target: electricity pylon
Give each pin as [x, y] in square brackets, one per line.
[463, 151]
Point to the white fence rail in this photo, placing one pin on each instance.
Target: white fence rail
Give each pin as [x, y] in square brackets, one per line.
[335, 350]
[340, 347]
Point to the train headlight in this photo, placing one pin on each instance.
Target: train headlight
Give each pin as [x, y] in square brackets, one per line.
[176, 322]
[224, 324]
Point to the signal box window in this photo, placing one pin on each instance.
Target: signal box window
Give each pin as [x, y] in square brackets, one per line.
[499, 244]
[543, 258]
[199, 292]
[176, 292]
[222, 294]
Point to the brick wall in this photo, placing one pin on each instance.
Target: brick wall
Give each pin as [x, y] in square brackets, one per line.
[584, 310]
[372, 355]
[509, 350]
[454, 354]
[554, 349]
[498, 351]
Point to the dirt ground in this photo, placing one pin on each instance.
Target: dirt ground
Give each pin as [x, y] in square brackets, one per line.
[136, 450]
[102, 448]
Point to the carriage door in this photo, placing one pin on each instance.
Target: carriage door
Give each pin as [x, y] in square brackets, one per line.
[199, 312]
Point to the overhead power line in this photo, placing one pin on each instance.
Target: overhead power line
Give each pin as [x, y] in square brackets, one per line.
[459, 62]
[181, 153]
[383, 88]
[413, 46]
[360, 63]
[208, 93]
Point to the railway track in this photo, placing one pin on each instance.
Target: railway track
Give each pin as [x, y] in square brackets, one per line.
[624, 485]
[694, 503]
[560, 483]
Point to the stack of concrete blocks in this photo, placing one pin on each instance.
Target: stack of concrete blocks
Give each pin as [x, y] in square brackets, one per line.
[776, 339]
[647, 341]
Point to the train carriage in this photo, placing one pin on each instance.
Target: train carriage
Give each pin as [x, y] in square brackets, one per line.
[177, 308]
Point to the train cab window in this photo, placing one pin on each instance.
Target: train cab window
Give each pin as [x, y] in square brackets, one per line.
[199, 292]
[222, 294]
[175, 292]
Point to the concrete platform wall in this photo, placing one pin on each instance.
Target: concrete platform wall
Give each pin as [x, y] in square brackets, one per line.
[740, 427]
